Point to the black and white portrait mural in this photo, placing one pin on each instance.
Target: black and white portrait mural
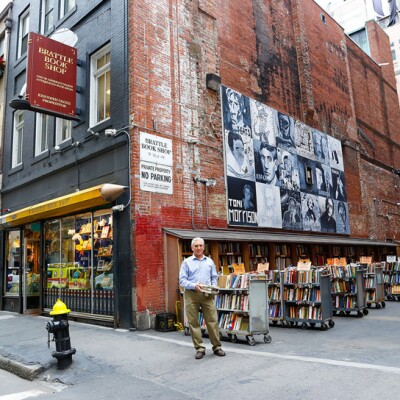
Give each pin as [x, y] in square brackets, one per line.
[280, 172]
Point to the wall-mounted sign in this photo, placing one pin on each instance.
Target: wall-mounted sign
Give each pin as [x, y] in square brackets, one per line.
[280, 173]
[156, 164]
[51, 76]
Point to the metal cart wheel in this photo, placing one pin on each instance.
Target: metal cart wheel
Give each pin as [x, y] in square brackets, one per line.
[187, 333]
[267, 339]
[274, 323]
[365, 311]
[324, 326]
[383, 304]
[233, 338]
[312, 324]
[369, 305]
[303, 325]
[347, 312]
[331, 323]
[378, 306]
[360, 314]
[250, 340]
[334, 312]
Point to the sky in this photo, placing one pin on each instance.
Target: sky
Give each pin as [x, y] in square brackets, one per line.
[3, 3]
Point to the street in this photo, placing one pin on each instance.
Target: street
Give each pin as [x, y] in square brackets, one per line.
[356, 359]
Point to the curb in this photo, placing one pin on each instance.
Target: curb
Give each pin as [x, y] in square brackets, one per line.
[25, 371]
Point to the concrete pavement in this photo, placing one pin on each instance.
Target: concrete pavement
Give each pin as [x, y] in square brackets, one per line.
[358, 350]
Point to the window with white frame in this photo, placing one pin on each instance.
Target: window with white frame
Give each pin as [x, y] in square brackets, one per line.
[2, 47]
[18, 135]
[66, 6]
[63, 130]
[23, 33]
[47, 16]
[42, 133]
[100, 86]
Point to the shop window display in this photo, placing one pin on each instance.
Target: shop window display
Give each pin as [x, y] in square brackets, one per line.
[13, 263]
[79, 262]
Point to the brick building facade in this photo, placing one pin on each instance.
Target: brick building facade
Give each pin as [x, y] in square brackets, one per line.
[290, 55]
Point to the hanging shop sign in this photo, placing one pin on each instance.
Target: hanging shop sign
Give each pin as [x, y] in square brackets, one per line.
[156, 164]
[51, 76]
[280, 173]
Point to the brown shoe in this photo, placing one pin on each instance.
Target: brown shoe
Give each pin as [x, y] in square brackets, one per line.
[199, 355]
[219, 353]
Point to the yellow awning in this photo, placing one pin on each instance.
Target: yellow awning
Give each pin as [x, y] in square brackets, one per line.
[81, 200]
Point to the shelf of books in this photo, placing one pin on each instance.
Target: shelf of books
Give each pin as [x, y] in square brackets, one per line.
[348, 293]
[242, 305]
[374, 285]
[275, 296]
[258, 253]
[391, 278]
[307, 298]
[229, 253]
[282, 256]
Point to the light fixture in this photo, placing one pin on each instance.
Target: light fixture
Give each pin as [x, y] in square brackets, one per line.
[213, 82]
[89, 130]
[211, 182]
[110, 132]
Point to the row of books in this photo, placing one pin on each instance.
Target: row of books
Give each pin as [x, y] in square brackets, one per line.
[305, 312]
[233, 281]
[344, 302]
[292, 275]
[274, 293]
[282, 250]
[395, 289]
[233, 322]
[345, 272]
[339, 286]
[229, 247]
[239, 302]
[369, 282]
[282, 262]
[275, 311]
[392, 266]
[302, 294]
[227, 260]
[258, 250]
[392, 279]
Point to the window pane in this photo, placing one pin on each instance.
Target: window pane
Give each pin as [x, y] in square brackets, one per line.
[13, 262]
[101, 98]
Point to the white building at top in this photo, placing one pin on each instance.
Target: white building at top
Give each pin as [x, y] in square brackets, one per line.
[352, 16]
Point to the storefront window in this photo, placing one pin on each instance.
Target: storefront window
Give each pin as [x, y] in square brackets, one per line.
[80, 269]
[32, 259]
[13, 262]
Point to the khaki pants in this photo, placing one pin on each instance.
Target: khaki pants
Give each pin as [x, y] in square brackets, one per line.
[193, 301]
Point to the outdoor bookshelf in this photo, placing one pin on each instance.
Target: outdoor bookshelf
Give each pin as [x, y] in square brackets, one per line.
[391, 278]
[306, 298]
[374, 285]
[242, 305]
[348, 292]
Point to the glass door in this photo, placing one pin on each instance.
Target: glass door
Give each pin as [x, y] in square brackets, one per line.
[31, 269]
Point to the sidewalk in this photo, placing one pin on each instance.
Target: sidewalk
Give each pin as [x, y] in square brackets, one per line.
[361, 350]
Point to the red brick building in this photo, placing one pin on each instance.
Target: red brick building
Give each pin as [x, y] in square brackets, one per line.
[289, 55]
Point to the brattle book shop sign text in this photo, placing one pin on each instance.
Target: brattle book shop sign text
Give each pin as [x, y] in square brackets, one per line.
[51, 76]
[155, 164]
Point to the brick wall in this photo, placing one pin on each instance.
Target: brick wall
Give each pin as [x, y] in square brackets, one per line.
[290, 55]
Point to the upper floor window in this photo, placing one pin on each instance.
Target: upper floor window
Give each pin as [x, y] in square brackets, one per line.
[42, 133]
[66, 6]
[47, 17]
[63, 130]
[23, 33]
[2, 47]
[18, 135]
[100, 86]
[360, 37]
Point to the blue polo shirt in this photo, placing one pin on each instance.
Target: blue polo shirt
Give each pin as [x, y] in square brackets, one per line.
[194, 271]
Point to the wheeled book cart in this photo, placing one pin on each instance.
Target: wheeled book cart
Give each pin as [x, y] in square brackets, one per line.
[307, 299]
[275, 297]
[348, 292]
[391, 275]
[242, 305]
[374, 285]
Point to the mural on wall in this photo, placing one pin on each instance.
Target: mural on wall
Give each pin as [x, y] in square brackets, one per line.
[280, 172]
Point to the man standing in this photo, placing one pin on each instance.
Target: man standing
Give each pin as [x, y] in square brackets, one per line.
[196, 271]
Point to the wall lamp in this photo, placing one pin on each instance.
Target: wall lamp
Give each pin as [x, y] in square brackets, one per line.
[213, 82]
[209, 182]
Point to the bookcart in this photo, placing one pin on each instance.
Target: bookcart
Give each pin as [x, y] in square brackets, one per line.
[348, 293]
[307, 298]
[374, 285]
[242, 305]
[391, 278]
[275, 297]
